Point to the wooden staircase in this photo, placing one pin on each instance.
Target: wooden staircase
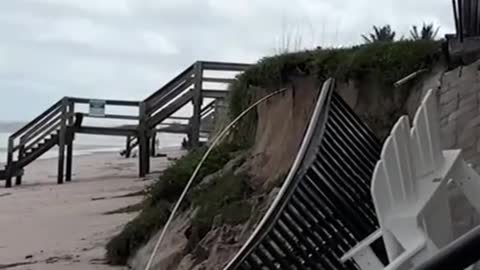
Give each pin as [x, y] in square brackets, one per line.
[54, 127]
[58, 125]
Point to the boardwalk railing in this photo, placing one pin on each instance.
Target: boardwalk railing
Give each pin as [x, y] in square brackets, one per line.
[58, 124]
[42, 130]
[190, 86]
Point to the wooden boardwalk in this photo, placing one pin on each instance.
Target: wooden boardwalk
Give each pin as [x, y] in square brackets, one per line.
[58, 125]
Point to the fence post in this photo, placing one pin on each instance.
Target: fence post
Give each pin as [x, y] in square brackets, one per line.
[21, 152]
[61, 141]
[127, 147]
[197, 104]
[9, 169]
[143, 142]
[71, 138]
[153, 146]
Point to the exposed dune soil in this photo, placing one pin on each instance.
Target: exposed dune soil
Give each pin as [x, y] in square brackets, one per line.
[282, 121]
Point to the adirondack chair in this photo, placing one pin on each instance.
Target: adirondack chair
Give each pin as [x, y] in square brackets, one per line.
[409, 189]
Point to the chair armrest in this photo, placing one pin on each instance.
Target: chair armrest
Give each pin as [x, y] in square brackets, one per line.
[365, 243]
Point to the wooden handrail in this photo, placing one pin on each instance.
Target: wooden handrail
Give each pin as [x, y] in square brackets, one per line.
[217, 80]
[223, 66]
[161, 101]
[43, 136]
[114, 116]
[51, 121]
[207, 114]
[187, 72]
[208, 107]
[34, 121]
[213, 93]
[112, 102]
[170, 109]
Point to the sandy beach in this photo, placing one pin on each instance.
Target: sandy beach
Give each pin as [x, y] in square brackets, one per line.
[48, 226]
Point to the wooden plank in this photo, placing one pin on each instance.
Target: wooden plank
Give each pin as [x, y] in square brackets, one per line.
[127, 146]
[170, 109]
[71, 136]
[112, 102]
[218, 80]
[18, 180]
[224, 66]
[180, 77]
[69, 164]
[210, 93]
[142, 140]
[461, 18]
[114, 116]
[176, 129]
[106, 131]
[144, 154]
[207, 114]
[455, 16]
[477, 15]
[209, 111]
[10, 150]
[178, 118]
[209, 107]
[197, 105]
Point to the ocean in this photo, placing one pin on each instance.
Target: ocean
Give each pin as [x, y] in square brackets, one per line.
[90, 144]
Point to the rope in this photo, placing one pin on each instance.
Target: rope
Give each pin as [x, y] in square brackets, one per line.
[217, 140]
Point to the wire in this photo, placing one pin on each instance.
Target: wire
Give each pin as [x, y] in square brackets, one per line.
[217, 140]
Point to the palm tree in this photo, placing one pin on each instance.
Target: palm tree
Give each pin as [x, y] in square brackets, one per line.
[428, 32]
[383, 33]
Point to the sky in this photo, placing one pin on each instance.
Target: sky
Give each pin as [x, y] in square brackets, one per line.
[127, 49]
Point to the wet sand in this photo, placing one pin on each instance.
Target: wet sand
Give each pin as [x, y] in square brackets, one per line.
[48, 226]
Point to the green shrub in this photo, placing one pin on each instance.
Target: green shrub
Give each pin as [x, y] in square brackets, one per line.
[160, 197]
[385, 62]
[136, 233]
[219, 197]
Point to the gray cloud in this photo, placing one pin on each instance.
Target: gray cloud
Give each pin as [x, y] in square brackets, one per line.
[128, 48]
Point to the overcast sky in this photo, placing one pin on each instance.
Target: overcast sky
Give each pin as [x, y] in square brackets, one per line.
[125, 49]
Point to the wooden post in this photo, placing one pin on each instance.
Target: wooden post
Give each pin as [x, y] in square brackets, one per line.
[21, 151]
[71, 138]
[153, 146]
[9, 171]
[143, 143]
[197, 105]
[127, 147]
[61, 141]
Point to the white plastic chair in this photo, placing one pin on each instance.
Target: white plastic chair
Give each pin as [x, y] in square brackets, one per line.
[409, 189]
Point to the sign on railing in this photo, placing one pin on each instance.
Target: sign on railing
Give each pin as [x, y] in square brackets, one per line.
[97, 108]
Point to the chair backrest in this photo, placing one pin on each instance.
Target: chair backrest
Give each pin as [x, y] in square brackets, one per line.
[408, 155]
